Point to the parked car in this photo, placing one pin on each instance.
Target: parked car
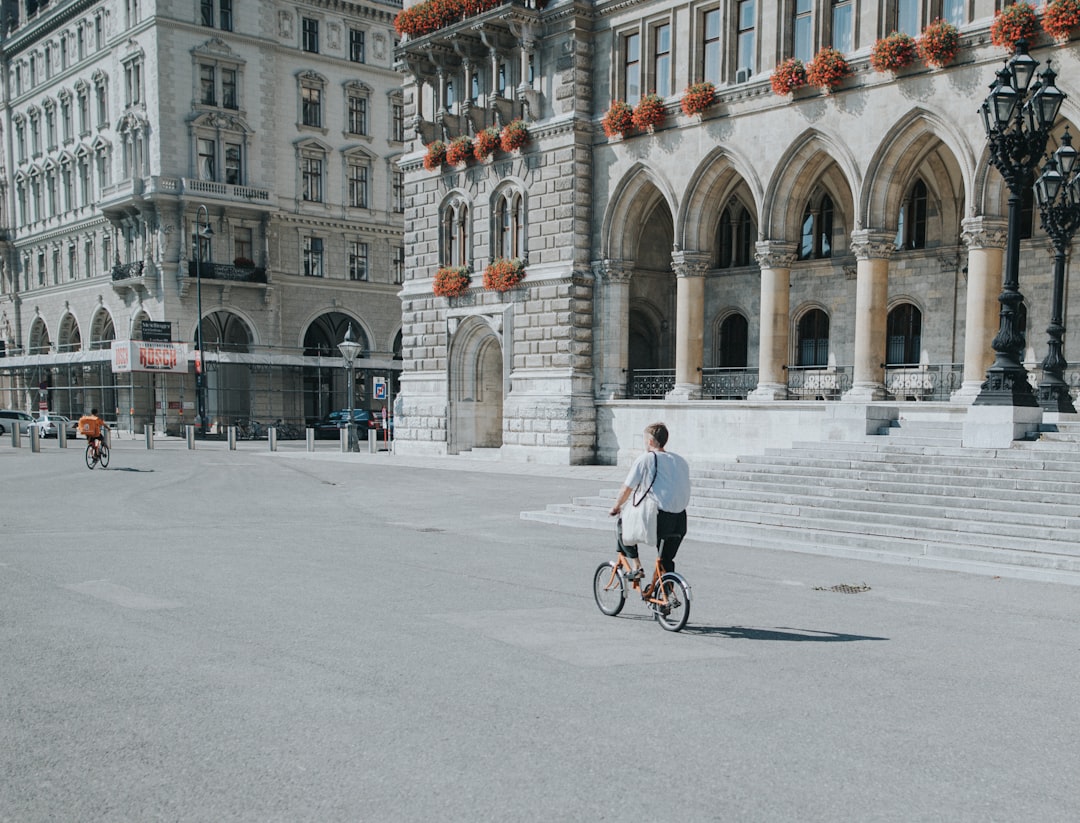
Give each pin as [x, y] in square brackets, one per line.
[329, 428]
[48, 423]
[9, 418]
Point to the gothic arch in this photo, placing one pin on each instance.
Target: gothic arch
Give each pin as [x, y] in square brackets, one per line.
[477, 386]
[39, 342]
[634, 199]
[102, 331]
[716, 180]
[69, 338]
[324, 330]
[813, 159]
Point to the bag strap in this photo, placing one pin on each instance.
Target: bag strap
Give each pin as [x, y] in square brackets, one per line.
[656, 469]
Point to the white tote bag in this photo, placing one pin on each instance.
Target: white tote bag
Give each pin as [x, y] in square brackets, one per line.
[639, 518]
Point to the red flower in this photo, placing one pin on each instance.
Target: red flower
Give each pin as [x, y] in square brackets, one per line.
[436, 155]
[892, 53]
[1060, 18]
[460, 150]
[649, 112]
[451, 281]
[788, 76]
[503, 274]
[698, 97]
[486, 142]
[1013, 23]
[828, 69]
[514, 135]
[619, 119]
[939, 43]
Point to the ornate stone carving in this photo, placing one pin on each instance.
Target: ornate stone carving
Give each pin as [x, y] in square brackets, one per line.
[867, 244]
[613, 271]
[690, 263]
[771, 254]
[984, 232]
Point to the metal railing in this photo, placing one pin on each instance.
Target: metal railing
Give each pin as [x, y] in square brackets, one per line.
[126, 271]
[925, 381]
[228, 271]
[818, 382]
[728, 383]
[650, 384]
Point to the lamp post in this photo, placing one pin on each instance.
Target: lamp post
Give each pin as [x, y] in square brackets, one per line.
[1058, 193]
[349, 350]
[1017, 117]
[201, 231]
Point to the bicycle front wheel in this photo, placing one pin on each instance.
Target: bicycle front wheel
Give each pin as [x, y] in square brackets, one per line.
[104, 456]
[609, 589]
[674, 611]
[90, 460]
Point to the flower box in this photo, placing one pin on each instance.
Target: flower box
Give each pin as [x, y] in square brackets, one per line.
[893, 53]
[486, 142]
[788, 76]
[451, 281]
[698, 97]
[436, 155]
[939, 43]
[460, 150]
[828, 69]
[649, 113]
[619, 119]
[1061, 18]
[1013, 23]
[503, 274]
[514, 135]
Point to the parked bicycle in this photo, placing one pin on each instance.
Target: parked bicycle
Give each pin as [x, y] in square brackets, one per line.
[287, 431]
[667, 595]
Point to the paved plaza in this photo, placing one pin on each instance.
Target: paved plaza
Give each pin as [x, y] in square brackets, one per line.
[214, 636]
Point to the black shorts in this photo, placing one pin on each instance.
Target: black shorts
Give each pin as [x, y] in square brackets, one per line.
[670, 531]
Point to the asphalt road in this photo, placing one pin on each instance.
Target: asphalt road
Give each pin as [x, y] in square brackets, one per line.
[218, 636]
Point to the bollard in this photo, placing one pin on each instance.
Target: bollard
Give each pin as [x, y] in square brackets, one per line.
[16, 435]
[343, 436]
[35, 439]
[189, 432]
[231, 433]
[106, 437]
[149, 432]
[272, 437]
[372, 442]
[61, 436]
[310, 439]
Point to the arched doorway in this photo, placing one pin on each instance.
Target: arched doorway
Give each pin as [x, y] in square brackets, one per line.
[476, 388]
[228, 382]
[325, 383]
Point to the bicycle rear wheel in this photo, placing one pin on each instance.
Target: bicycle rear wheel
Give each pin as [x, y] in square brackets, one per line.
[609, 589]
[91, 461]
[675, 610]
[104, 456]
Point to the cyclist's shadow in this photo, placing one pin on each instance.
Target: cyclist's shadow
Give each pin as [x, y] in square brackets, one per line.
[781, 633]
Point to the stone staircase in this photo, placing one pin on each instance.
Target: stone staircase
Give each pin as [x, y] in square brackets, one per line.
[909, 495]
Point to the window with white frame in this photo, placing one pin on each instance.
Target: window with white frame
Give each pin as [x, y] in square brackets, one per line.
[710, 46]
[243, 246]
[207, 84]
[64, 46]
[455, 233]
[52, 189]
[745, 35]
[219, 82]
[133, 81]
[101, 96]
[357, 170]
[398, 265]
[35, 132]
[33, 70]
[802, 30]
[21, 200]
[48, 61]
[67, 183]
[66, 123]
[509, 229]
[357, 102]
[661, 36]
[311, 87]
[82, 160]
[234, 163]
[906, 17]
[80, 42]
[102, 157]
[313, 257]
[397, 120]
[35, 194]
[230, 98]
[82, 92]
[310, 34]
[843, 25]
[358, 261]
[954, 11]
[88, 255]
[72, 262]
[397, 191]
[99, 32]
[50, 125]
[222, 18]
[207, 157]
[356, 45]
[132, 13]
[631, 44]
[311, 175]
[20, 138]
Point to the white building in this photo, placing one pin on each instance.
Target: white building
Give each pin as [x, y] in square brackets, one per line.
[774, 268]
[122, 119]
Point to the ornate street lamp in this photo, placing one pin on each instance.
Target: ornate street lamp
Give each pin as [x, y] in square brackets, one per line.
[201, 231]
[349, 350]
[1058, 193]
[1017, 117]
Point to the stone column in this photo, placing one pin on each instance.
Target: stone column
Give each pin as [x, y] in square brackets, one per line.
[872, 252]
[689, 268]
[985, 238]
[612, 326]
[774, 259]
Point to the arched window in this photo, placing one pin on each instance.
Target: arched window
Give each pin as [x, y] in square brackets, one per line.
[904, 333]
[735, 237]
[813, 339]
[732, 342]
[911, 231]
[455, 231]
[509, 231]
[817, 229]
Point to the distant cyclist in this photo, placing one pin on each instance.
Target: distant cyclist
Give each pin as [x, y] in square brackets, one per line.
[90, 426]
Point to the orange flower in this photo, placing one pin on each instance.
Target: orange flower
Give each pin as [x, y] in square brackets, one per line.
[939, 43]
[892, 53]
[828, 69]
[619, 119]
[698, 97]
[451, 281]
[503, 274]
[1012, 23]
[788, 76]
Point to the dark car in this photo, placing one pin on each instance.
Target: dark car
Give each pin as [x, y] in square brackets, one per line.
[330, 427]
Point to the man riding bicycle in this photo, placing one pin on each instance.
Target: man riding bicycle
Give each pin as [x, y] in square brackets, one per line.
[90, 426]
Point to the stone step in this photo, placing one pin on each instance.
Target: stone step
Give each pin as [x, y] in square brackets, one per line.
[913, 471]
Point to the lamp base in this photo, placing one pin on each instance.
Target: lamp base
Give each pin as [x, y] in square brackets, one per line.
[1006, 387]
[1055, 397]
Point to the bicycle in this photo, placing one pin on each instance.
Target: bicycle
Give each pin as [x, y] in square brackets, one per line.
[98, 455]
[667, 595]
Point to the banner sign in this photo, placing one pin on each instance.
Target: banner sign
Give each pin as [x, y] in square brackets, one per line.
[140, 355]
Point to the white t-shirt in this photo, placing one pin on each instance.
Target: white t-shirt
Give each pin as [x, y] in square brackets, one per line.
[672, 486]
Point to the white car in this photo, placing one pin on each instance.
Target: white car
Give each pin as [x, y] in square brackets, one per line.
[48, 425]
[9, 418]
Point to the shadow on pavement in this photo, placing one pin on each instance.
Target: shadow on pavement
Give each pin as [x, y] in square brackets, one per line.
[781, 633]
[128, 469]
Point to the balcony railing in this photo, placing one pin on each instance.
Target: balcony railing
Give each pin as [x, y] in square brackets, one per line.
[126, 271]
[728, 384]
[923, 381]
[645, 384]
[818, 382]
[227, 271]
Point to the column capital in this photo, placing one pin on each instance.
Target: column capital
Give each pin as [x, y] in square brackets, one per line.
[690, 263]
[775, 254]
[984, 232]
[613, 270]
[873, 244]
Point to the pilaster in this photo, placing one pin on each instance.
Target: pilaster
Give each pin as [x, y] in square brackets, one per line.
[872, 248]
[690, 268]
[775, 260]
[985, 238]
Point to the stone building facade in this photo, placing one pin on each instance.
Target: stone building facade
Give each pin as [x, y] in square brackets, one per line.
[774, 263]
[130, 128]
